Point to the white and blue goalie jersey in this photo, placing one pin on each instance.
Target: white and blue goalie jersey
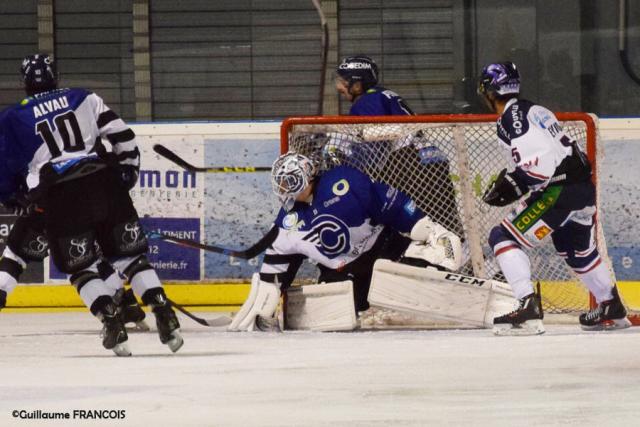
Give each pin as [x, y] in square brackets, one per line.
[61, 127]
[347, 214]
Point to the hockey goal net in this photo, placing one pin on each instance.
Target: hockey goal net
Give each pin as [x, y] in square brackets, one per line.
[444, 163]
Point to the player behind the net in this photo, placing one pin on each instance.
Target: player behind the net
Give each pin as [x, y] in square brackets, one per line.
[410, 161]
[555, 175]
[344, 222]
[52, 140]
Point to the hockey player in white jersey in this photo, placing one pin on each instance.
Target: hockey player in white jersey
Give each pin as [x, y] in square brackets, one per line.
[52, 140]
[342, 221]
[550, 168]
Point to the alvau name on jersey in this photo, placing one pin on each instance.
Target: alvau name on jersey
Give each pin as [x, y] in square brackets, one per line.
[46, 107]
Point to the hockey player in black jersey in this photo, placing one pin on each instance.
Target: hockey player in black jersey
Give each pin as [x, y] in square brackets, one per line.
[52, 140]
[27, 243]
[555, 175]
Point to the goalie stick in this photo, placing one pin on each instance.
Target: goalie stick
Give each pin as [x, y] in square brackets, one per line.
[255, 250]
[221, 320]
[170, 155]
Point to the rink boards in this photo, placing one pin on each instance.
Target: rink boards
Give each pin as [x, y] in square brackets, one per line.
[235, 209]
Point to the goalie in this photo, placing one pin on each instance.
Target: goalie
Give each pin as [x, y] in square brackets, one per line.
[343, 222]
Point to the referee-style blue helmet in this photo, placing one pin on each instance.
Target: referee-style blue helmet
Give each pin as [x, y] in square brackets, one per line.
[501, 78]
[39, 73]
[358, 69]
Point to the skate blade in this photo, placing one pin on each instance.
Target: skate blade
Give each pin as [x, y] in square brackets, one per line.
[608, 325]
[530, 327]
[122, 349]
[176, 341]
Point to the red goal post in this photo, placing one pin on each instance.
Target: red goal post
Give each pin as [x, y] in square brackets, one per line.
[392, 148]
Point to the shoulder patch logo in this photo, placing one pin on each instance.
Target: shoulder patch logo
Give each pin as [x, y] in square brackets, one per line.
[341, 187]
[290, 221]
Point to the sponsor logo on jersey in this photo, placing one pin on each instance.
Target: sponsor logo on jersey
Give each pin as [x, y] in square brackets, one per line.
[529, 216]
[542, 232]
[410, 207]
[341, 187]
[290, 222]
[331, 201]
[517, 121]
[330, 235]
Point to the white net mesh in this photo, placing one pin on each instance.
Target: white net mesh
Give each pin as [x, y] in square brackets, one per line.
[444, 167]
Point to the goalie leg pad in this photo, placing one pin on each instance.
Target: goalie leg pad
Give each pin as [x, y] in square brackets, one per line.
[262, 301]
[321, 307]
[446, 296]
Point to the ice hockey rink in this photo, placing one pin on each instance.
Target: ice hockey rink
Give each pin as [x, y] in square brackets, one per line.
[55, 363]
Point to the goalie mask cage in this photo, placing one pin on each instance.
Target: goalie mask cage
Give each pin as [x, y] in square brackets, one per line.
[444, 163]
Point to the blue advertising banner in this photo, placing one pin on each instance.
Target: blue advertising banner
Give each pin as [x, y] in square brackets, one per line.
[171, 261]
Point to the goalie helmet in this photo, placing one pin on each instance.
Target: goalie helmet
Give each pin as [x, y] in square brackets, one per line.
[291, 173]
[359, 69]
[38, 73]
[501, 79]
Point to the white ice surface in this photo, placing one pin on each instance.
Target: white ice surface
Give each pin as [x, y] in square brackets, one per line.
[55, 362]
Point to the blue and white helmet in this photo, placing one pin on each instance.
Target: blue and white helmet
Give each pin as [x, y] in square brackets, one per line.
[291, 173]
[501, 78]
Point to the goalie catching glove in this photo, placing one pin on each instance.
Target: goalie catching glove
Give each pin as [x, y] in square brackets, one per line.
[435, 244]
[503, 190]
[262, 302]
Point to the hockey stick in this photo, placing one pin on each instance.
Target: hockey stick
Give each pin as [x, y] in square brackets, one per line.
[255, 250]
[221, 320]
[170, 155]
[325, 50]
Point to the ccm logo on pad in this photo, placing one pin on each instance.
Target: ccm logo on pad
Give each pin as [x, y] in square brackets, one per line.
[465, 279]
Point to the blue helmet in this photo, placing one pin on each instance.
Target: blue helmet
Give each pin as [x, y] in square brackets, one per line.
[502, 78]
[359, 69]
[39, 73]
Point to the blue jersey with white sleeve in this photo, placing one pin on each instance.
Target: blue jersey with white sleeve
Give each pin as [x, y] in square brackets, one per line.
[379, 101]
[347, 214]
[61, 127]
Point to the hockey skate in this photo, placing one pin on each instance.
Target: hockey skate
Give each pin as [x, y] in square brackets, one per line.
[608, 315]
[526, 319]
[114, 335]
[130, 311]
[166, 319]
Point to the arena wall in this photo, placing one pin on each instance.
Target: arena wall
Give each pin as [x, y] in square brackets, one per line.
[235, 209]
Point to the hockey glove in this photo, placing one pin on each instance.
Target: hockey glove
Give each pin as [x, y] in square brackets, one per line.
[3, 299]
[503, 190]
[128, 176]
